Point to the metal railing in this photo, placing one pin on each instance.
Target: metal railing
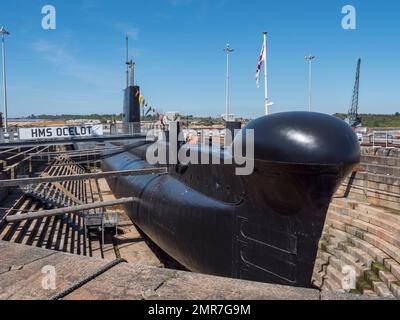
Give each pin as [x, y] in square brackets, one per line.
[385, 138]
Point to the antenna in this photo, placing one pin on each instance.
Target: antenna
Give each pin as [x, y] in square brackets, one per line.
[127, 60]
[130, 65]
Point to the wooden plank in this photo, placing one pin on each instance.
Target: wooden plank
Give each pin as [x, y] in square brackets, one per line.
[69, 194]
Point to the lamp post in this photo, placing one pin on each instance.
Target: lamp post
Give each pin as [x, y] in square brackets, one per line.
[3, 33]
[228, 51]
[309, 58]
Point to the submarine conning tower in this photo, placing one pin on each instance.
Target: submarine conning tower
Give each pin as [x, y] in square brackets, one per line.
[131, 112]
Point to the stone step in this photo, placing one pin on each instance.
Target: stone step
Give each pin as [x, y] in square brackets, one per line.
[381, 239]
[372, 270]
[382, 245]
[325, 236]
[342, 259]
[332, 250]
[318, 279]
[370, 293]
[324, 256]
[363, 257]
[337, 264]
[387, 278]
[373, 196]
[393, 266]
[381, 169]
[388, 184]
[382, 233]
[335, 277]
[381, 152]
[380, 160]
[333, 224]
[365, 208]
[366, 177]
[353, 261]
[382, 290]
[376, 253]
[320, 266]
[371, 277]
[339, 234]
[333, 241]
[365, 288]
[331, 285]
[395, 289]
[378, 221]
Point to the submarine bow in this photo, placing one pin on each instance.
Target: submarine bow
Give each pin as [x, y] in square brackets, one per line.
[263, 227]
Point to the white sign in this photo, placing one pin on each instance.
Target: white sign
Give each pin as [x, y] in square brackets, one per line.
[60, 132]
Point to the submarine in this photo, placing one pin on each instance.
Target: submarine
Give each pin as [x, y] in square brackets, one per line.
[262, 227]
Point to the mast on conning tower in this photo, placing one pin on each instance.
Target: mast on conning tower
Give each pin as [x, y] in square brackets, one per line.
[132, 73]
[131, 107]
[126, 60]
[130, 66]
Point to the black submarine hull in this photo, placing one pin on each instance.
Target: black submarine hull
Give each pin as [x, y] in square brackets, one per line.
[262, 227]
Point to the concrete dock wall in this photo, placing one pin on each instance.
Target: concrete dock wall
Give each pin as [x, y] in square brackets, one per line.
[362, 231]
[22, 277]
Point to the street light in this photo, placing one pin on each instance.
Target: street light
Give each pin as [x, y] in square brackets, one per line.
[309, 58]
[228, 51]
[3, 33]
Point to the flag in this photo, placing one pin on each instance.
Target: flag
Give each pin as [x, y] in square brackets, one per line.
[263, 58]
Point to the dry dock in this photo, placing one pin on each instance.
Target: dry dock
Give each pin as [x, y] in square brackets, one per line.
[124, 265]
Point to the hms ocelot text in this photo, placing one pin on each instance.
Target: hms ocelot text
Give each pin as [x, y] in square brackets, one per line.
[60, 132]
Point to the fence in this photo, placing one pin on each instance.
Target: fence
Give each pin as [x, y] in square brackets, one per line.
[384, 138]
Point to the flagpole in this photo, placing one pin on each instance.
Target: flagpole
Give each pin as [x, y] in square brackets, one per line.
[228, 51]
[266, 75]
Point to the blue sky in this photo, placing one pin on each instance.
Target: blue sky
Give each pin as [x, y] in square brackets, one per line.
[180, 65]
